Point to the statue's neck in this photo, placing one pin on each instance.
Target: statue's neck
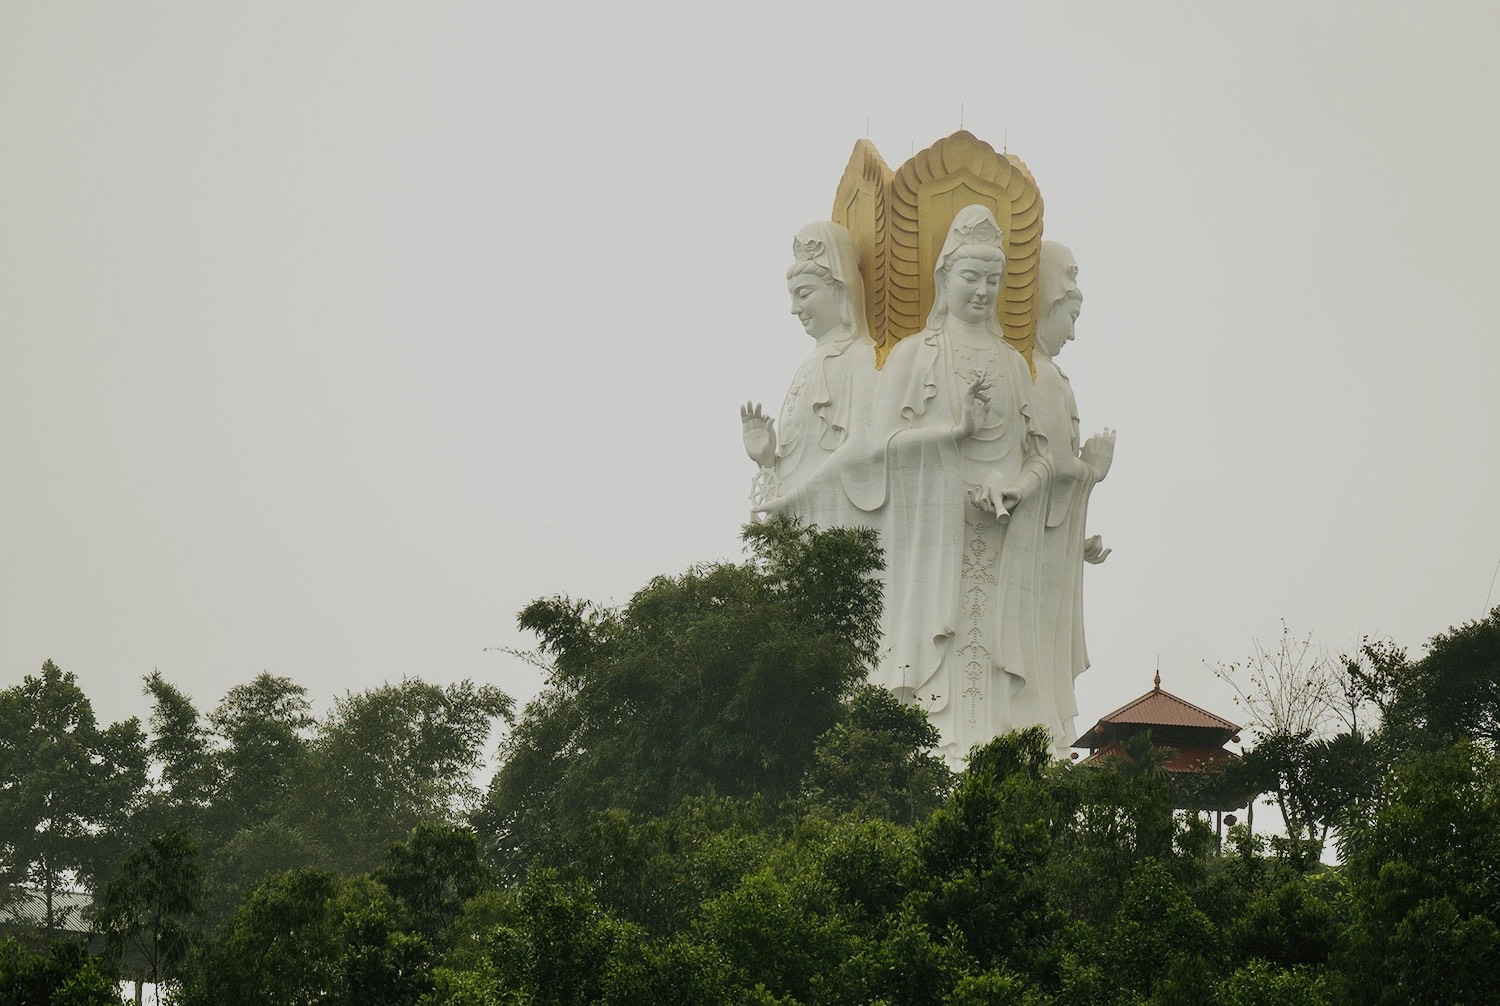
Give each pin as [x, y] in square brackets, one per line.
[967, 333]
[834, 338]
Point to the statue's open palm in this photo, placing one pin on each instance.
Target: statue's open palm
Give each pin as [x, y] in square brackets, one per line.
[1099, 453]
[759, 432]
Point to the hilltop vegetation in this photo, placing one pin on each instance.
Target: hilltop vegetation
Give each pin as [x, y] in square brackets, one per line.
[707, 804]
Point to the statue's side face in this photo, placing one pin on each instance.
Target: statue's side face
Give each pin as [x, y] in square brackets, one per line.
[1056, 329]
[971, 288]
[816, 303]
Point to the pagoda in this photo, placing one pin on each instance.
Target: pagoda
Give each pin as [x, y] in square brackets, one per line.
[1194, 737]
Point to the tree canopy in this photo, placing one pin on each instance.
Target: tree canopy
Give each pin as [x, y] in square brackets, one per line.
[708, 804]
[718, 681]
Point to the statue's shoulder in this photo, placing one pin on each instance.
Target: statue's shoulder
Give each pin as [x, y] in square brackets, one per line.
[1057, 378]
[854, 351]
[921, 346]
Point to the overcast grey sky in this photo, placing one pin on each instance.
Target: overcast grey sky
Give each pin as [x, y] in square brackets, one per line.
[333, 334]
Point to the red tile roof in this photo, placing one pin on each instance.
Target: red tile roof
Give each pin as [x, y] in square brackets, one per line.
[1162, 709]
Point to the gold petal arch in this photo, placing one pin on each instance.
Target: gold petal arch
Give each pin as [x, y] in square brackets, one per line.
[860, 205]
[900, 219]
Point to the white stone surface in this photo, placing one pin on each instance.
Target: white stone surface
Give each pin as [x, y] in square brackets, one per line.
[961, 526]
[829, 395]
[1061, 651]
[972, 475]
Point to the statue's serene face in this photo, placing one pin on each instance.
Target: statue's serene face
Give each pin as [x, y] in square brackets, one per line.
[816, 303]
[1055, 329]
[972, 287]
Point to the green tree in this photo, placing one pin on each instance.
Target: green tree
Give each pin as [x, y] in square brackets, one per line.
[306, 937]
[1425, 893]
[276, 947]
[145, 908]
[378, 959]
[781, 929]
[995, 988]
[556, 948]
[258, 749]
[1299, 924]
[720, 680]
[1160, 945]
[180, 750]
[656, 871]
[982, 852]
[67, 788]
[1305, 707]
[433, 873]
[1262, 984]
[1285, 765]
[879, 760]
[1109, 820]
[1451, 694]
[253, 854]
[263, 728]
[64, 976]
[389, 759]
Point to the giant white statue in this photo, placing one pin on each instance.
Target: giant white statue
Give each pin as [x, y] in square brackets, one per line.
[957, 439]
[831, 392]
[1074, 471]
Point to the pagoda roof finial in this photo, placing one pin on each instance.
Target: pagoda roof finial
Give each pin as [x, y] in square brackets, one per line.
[1158, 672]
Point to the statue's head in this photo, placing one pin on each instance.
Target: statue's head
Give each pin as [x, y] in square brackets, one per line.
[1058, 297]
[824, 281]
[970, 270]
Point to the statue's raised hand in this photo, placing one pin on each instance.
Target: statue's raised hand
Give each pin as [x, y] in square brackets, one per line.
[759, 432]
[1099, 453]
[975, 408]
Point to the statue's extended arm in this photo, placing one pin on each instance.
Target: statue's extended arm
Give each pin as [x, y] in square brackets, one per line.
[999, 496]
[1099, 454]
[972, 414]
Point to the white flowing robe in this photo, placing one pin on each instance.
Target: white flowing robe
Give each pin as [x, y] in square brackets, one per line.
[1063, 653]
[960, 612]
[828, 398]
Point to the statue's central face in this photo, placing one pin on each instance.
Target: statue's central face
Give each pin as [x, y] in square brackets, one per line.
[972, 287]
[815, 303]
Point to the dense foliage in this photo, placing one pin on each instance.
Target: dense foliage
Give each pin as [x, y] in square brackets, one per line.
[706, 804]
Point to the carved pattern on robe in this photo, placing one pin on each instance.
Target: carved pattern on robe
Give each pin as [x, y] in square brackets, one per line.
[979, 580]
[791, 412]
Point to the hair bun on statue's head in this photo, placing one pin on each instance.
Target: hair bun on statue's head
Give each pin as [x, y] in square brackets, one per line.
[975, 233]
[808, 250]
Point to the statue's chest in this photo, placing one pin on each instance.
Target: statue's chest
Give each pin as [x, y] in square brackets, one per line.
[796, 408]
[1051, 404]
[969, 364]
